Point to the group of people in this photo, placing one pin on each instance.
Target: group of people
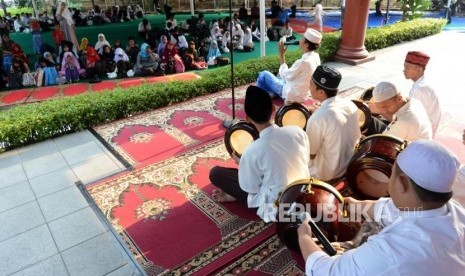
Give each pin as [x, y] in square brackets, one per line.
[422, 227]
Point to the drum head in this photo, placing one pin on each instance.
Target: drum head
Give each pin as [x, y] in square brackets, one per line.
[292, 114]
[239, 136]
[372, 182]
[364, 115]
[370, 168]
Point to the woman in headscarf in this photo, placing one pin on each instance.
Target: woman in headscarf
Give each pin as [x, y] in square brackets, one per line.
[213, 53]
[147, 61]
[247, 40]
[101, 41]
[49, 68]
[83, 45]
[122, 62]
[162, 45]
[66, 23]
[70, 68]
[139, 12]
[237, 35]
[108, 59]
[172, 60]
[95, 68]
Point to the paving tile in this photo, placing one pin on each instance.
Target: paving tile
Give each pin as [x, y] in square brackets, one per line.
[54, 181]
[82, 152]
[52, 266]
[74, 139]
[37, 150]
[62, 203]
[95, 168]
[127, 270]
[75, 228]
[97, 256]
[20, 219]
[15, 195]
[44, 164]
[11, 170]
[26, 249]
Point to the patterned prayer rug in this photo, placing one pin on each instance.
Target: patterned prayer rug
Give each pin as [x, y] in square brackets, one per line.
[156, 135]
[167, 217]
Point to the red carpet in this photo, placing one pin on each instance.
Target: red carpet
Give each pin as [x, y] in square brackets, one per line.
[43, 93]
[75, 89]
[16, 97]
[131, 82]
[104, 85]
[49, 92]
[166, 209]
[300, 26]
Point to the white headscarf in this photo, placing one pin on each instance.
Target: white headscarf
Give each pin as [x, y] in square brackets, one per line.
[66, 14]
[247, 39]
[120, 55]
[99, 45]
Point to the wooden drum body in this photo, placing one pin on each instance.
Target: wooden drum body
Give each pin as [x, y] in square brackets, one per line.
[364, 115]
[292, 114]
[322, 201]
[370, 168]
[238, 136]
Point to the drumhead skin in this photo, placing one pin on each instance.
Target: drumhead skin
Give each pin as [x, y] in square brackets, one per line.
[238, 136]
[292, 114]
[370, 168]
[364, 115]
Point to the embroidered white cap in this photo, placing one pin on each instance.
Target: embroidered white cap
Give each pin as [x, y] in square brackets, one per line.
[383, 91]
[430, 165]
[313, 35]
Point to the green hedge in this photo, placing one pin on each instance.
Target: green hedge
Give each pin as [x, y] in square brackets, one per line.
[31, 123]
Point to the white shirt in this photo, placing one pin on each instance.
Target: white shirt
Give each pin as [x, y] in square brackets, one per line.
[426, 95]
[318, 12]
[297, 78]
[333, 131]
[417, 243]
[279, 157]
[410, 122]
[459, 186]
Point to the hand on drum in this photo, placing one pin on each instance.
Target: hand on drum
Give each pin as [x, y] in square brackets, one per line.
[366, 207]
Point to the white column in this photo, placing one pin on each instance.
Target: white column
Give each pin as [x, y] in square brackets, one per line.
[262, 28]
[192, 7]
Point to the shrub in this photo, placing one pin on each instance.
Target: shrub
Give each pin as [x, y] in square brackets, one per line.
[31, 123]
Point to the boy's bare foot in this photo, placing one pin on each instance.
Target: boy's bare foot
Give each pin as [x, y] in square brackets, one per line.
[220, 196]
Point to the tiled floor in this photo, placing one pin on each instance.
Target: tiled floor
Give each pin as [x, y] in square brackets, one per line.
[47, 227]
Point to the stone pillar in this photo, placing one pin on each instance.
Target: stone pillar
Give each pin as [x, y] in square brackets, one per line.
[352, 49]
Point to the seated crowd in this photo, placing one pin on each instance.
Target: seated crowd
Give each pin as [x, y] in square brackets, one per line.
[174, 48]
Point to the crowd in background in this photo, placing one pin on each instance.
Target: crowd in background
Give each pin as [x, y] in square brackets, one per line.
[172, 48]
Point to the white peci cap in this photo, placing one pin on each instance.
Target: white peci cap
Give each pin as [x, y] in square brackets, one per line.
[430, 165]
[313, 36]
[383, 91]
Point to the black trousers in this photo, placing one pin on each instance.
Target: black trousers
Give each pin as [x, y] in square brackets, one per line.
[227, 179]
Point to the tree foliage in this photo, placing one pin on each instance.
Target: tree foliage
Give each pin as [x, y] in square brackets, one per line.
[412, 9]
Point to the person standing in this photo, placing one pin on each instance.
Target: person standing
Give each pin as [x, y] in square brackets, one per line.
[318, 14]
[276, 159]
[67, 24]
[293, 84]
[333, 129]
[414, 69]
